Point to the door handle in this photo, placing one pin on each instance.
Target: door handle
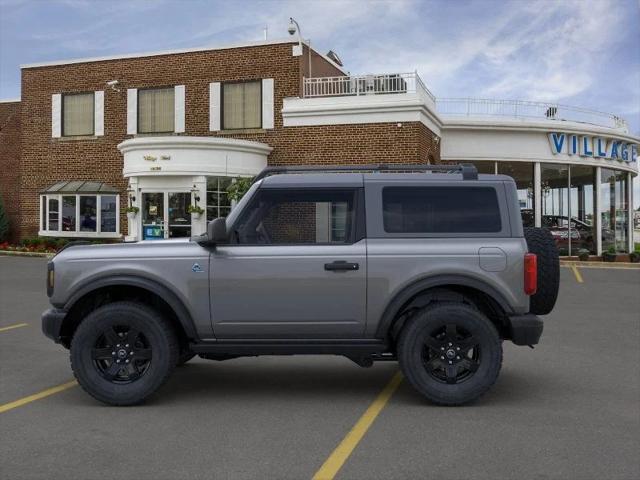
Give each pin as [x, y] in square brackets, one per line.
[341, 266]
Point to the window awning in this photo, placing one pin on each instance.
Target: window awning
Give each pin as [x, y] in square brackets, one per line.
[80, 186]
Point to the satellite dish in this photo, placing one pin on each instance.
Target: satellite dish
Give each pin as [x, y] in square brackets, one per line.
[334, 57]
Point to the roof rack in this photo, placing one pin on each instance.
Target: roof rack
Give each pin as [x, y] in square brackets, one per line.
[468, 171]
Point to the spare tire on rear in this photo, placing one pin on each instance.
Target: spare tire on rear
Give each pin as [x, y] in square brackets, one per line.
[540, 242]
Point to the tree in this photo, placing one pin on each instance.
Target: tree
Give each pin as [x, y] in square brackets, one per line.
[237, 189]
[4, 223]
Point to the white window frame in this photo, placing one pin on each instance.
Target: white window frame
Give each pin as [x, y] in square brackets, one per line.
[267, 105]
[77, 233]
[179, 110]
[57, 113]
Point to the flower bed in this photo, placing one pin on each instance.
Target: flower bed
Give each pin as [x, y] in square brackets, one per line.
[40, 245]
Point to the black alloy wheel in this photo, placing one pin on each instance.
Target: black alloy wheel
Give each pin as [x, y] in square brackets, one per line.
[122, 354]
[451, 354]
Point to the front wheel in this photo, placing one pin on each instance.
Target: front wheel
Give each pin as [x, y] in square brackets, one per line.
[122, 352]
[450, 353]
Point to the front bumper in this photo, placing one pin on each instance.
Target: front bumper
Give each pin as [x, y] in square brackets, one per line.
[52, 323]
[526, 329]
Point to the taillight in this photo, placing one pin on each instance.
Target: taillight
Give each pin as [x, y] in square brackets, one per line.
[530, 273]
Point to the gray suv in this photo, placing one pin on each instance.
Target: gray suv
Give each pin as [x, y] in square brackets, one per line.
[425, 265]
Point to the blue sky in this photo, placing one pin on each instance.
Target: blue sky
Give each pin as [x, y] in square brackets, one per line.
[577, 52]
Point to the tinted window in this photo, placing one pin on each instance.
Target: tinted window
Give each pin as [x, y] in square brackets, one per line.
[297, 217]
[440, 210]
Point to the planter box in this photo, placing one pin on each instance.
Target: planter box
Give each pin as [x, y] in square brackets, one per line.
[196, 216]
[131, 215]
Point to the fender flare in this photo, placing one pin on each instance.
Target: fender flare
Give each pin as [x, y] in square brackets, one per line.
[413, 289]
[183, 315]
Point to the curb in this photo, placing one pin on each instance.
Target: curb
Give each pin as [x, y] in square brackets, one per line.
[612, 265]
[11, 253]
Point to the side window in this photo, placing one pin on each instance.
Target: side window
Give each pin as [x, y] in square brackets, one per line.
[441, 210]
[280, 217]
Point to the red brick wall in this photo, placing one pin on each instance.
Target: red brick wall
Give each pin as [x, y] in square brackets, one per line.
[10, 163]
[46, 160]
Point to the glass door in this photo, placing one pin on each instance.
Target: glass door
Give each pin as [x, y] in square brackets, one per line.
[153, 225]
[179, 218]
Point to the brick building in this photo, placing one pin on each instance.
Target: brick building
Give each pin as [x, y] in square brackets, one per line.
[167, 128]
[162, 131]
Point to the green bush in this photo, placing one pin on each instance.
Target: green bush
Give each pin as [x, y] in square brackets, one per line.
[4, 223]
[583, 254]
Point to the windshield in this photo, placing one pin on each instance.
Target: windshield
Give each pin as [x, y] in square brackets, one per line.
[241, 204]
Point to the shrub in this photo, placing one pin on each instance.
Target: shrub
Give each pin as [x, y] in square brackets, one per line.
[4, 223]
[583, 254]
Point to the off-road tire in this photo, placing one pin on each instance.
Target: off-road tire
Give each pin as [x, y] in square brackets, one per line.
[540, 242]
[411, 348]
[155, 330]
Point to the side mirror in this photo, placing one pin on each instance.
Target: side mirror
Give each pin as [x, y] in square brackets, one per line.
[217, 231]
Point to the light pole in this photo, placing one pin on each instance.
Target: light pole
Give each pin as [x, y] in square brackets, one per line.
[293, 28]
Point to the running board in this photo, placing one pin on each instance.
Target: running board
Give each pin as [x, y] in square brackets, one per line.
[237, 347]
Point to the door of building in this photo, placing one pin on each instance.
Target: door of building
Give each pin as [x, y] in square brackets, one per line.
[164, 215]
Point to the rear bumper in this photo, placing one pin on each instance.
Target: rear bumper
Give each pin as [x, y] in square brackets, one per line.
[526, 329]
[52, 323]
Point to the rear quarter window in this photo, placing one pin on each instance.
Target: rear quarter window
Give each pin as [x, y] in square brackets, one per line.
[441, 210]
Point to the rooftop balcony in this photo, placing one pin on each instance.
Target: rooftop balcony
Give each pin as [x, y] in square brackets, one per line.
[410, 83]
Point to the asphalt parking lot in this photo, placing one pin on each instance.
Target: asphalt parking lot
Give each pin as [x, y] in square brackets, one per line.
[570, 409]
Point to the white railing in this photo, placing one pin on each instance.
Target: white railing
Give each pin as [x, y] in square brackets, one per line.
[524, 109]
[364, 85]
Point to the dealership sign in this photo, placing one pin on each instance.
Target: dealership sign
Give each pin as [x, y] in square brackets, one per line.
[590, 146]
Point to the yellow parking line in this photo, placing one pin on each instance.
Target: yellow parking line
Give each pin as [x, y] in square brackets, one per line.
[577, 274]
[11, 327]
[334, 463]
[37, 396]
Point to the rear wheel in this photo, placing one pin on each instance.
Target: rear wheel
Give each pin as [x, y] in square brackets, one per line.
[450, 353]
[123, 352]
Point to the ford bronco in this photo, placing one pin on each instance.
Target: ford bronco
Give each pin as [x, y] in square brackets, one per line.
[429, 266]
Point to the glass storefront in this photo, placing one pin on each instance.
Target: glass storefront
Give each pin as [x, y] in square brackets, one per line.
[554, 193]
[569, 199]
[522, 173]
[614, 194]
[582, 209]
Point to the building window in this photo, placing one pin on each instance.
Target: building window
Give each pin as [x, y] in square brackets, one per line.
[68, 213]
[554, 190]
[156, 110]
[615, 210]
[582, 208]
[78, 114]
[522, 173]
[108, 213]
[218, 203]
[242, 105]
[80, 215]
[88, 213]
